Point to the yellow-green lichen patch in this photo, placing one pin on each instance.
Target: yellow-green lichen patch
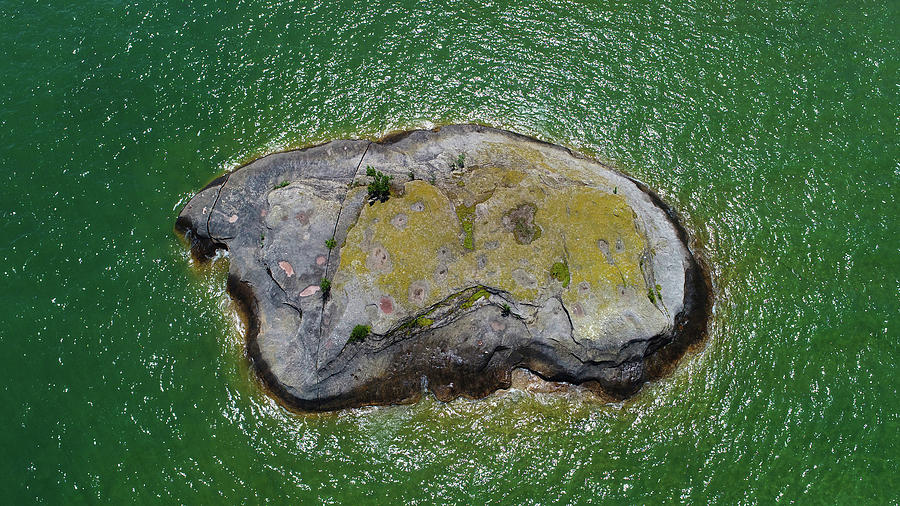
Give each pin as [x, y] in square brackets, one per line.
[588, 222]
[514, 155]
[509, 264]
[411, 243]
[585, 216]
[511, 178]
[420, 259]
[424, 322]
[537, 236]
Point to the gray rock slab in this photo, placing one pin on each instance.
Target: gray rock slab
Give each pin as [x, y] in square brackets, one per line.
[495, 252]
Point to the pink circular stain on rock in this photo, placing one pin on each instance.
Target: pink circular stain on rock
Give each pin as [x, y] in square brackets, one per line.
[320, 260]
[309, 290]
[233, 218]
[287, 268]
[386, 305]
[378, 260]
[498, 326]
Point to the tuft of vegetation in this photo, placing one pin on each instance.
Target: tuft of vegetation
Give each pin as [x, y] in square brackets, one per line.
[505, 310]
[325, 285]
[330, 243]
[615, 190]
[460, 162]
[412, 176]
[380, 187]
[560, 272]
[281, 185]
[359, 333]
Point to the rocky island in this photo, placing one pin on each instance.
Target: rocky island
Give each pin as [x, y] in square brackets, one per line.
[370, 272]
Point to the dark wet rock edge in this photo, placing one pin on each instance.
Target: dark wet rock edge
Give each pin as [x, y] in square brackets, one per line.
[621, 379]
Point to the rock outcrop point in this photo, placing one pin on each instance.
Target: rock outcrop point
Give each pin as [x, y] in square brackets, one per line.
[492, 251]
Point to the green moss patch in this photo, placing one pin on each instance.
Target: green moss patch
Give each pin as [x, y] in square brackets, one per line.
[466, 215]
[479, 294]
[359, 333]
[560, 272]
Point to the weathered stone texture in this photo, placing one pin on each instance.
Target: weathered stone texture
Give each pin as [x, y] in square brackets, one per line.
[527, 256]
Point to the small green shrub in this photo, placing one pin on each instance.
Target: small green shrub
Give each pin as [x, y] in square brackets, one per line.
[412, 176]
[325, 285]
[380, 187]
[460, 162]
[281, 185]
[330, 243]
[505, 310]
[359, 333]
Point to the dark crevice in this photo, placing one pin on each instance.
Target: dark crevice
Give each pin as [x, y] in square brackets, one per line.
[569, 318]
[337, 222]
[216, 201]
[292, 306]
[497, 349]
[272, 276]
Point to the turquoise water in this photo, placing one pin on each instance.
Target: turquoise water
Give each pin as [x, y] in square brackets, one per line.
[772, 126]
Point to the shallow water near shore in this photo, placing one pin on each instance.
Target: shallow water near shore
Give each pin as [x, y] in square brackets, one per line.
[771, 127]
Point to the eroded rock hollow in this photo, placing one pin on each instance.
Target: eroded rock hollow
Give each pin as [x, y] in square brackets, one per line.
[491, 252]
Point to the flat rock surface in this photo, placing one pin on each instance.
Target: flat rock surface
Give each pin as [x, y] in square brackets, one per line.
[494, 252]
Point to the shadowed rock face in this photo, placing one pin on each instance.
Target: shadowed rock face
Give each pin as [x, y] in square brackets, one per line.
[528, 256]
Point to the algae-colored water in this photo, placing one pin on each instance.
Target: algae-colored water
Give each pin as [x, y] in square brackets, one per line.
[772, 126]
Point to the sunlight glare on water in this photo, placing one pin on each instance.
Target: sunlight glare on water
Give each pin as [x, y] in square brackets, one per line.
[770, 126]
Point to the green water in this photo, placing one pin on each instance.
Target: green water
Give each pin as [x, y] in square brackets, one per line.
[771, 125]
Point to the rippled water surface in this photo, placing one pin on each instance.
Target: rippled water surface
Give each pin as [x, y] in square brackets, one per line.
[771, 126]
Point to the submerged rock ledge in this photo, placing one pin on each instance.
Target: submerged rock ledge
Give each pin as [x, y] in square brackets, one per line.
[494, 252]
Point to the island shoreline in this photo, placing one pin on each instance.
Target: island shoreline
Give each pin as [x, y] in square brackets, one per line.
[663, 352]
